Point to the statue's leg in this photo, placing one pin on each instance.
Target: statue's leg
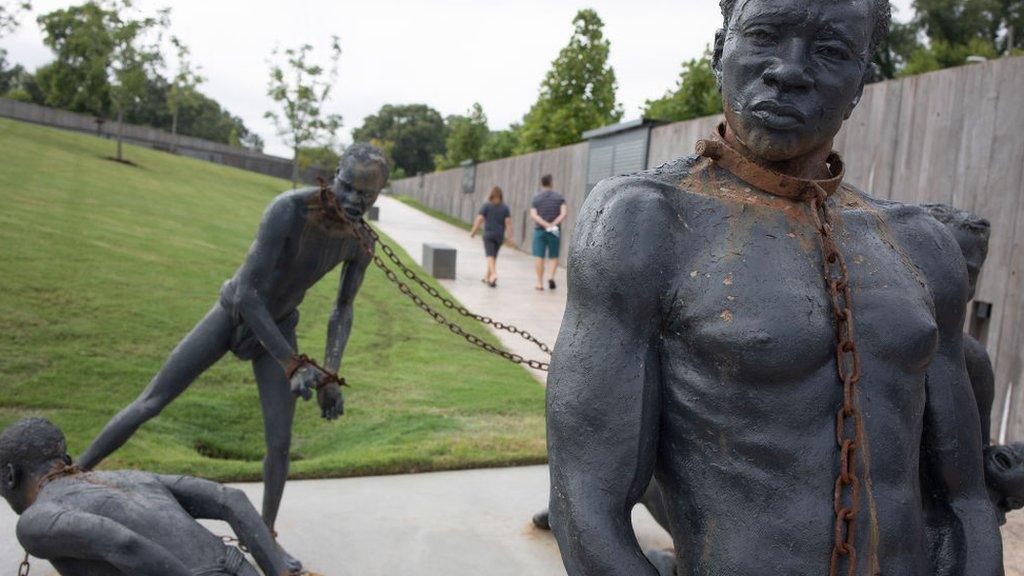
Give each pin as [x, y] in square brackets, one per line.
[278, 405]
[199, 350]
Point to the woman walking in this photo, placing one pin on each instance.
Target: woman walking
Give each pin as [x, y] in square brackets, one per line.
[496, 219]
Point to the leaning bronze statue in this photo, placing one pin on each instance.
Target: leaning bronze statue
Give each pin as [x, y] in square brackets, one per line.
[780, 350]
[124, 522]
[300, 240]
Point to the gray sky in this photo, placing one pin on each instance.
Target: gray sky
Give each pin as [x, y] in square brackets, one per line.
[444, 53]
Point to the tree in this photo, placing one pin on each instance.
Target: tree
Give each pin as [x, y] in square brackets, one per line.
[578, 93]
[10, 12]
[892, 55]
[942, 54]
[77, 79]
[134, 58]
[696, 94]
[413, 134]
[957, 22]
[302, 94]
[183, 88]
[467, 136]
[325, 157]
[500, 144]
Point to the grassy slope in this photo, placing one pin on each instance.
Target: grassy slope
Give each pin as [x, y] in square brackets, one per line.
[410, 201]
[104, 267]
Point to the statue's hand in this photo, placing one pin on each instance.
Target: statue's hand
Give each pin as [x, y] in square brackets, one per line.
[304, 381]
[332, 403]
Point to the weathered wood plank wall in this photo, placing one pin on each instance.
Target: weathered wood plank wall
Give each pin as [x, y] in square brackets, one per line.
[954, 136]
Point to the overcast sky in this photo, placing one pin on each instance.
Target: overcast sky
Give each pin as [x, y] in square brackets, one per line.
[444, 53]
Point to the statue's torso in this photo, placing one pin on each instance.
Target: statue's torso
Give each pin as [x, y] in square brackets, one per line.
[140, 503]
[313, 247]
[750, 390]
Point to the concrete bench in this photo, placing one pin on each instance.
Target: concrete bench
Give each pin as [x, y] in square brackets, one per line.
[373, 214]
[439, 261]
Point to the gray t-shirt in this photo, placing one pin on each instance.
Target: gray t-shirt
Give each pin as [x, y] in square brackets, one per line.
[494, 219]
[548, 205]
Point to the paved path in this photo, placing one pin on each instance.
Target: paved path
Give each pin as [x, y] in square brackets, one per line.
[469, 523]
[514, 300]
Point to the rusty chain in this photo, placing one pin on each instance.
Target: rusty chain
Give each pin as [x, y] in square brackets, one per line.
[331, 210]
[846, 497]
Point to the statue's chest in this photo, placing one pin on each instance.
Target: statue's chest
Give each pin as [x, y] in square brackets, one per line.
[315, 251]
[754, 306]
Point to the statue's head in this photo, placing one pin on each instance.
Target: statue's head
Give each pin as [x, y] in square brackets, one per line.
[29, 449]
[972, 233]
[362, 173]
[1004, 474]
[792, 71]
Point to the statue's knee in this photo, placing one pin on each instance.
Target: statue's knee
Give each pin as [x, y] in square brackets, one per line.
[149, 407]
[279, 447]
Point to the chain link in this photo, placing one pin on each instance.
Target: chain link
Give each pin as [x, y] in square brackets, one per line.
[846, 496]
[24, 567]
[331, 210]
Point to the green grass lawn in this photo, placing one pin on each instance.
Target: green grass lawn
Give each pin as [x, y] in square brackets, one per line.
[104, 267]
[410, 201]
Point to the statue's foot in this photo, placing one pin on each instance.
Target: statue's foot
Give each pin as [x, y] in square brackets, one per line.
[294, 566]
[542, 520]
[663, 560]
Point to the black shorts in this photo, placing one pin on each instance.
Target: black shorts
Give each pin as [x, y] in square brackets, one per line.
[492, 246]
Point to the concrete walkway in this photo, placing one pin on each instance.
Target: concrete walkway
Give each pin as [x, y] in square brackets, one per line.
[514, 300]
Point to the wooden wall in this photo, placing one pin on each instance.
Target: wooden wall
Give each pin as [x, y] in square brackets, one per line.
[954, 136]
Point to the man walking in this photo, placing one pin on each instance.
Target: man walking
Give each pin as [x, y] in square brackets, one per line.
[548, 212]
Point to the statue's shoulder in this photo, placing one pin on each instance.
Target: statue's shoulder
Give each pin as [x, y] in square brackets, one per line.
[925, 241]
[896, 214]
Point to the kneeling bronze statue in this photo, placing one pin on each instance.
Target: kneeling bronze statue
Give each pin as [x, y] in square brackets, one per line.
[128, 522]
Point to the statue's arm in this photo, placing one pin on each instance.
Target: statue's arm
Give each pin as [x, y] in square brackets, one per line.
[207, 500]
[340, 326]
[75, 535]
[983, 382]
[960, 513]
[258, 266]
[602, 399]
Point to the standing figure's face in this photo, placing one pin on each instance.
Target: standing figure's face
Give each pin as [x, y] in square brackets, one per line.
[353, 201]
[358, 184]
[791, 71]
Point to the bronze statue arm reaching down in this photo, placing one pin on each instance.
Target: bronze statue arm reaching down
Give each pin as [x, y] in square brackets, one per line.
[205, 500]
[340, 326]
[602, 416]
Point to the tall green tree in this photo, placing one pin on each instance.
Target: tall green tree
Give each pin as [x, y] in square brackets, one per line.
[134, 59]
[696, 94]
[467, 136]
[578, 93]
[184, 85]
[302, 89]
[413, 135]
[77, 79]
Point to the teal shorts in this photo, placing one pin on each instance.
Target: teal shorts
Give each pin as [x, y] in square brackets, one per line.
[546, 244]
